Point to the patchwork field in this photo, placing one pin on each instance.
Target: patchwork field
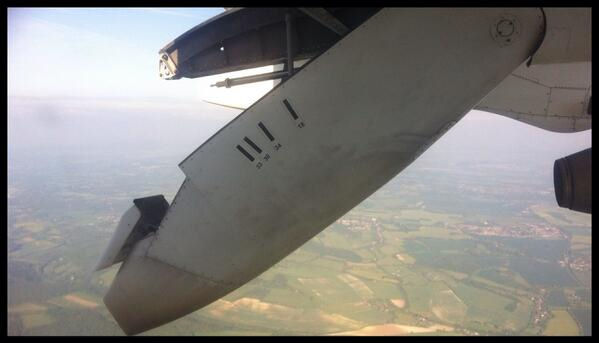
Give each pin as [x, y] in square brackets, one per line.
[444, 249]
[561, 324]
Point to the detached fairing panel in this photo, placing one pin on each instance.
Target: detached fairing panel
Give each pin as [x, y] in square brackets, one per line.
[140, 220]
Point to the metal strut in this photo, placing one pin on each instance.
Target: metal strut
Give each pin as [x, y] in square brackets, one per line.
[289, 26]
[251, 79]
[285, 74]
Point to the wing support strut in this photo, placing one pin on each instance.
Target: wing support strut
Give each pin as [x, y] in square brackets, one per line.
[283, 75]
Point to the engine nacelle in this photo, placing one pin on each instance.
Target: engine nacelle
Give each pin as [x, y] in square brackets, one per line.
[572, 181]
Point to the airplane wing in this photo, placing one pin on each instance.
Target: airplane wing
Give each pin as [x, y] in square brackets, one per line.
[554, 97]
[554, 93]
[372, 98]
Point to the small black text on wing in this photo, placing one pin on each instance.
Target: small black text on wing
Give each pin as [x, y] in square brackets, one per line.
[294, 115]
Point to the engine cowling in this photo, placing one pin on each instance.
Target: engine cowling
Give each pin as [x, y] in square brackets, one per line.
[572, 181]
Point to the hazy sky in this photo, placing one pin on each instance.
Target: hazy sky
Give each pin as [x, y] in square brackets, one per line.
[104, 52]
[99, 53]
[95, 52]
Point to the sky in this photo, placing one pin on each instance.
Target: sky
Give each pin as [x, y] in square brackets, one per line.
[102, 53]
[74, 59]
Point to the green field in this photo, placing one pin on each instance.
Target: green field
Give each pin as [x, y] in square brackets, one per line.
[561, 324]
[415, 258]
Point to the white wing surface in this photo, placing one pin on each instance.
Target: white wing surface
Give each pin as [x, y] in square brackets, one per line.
[312, 149]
